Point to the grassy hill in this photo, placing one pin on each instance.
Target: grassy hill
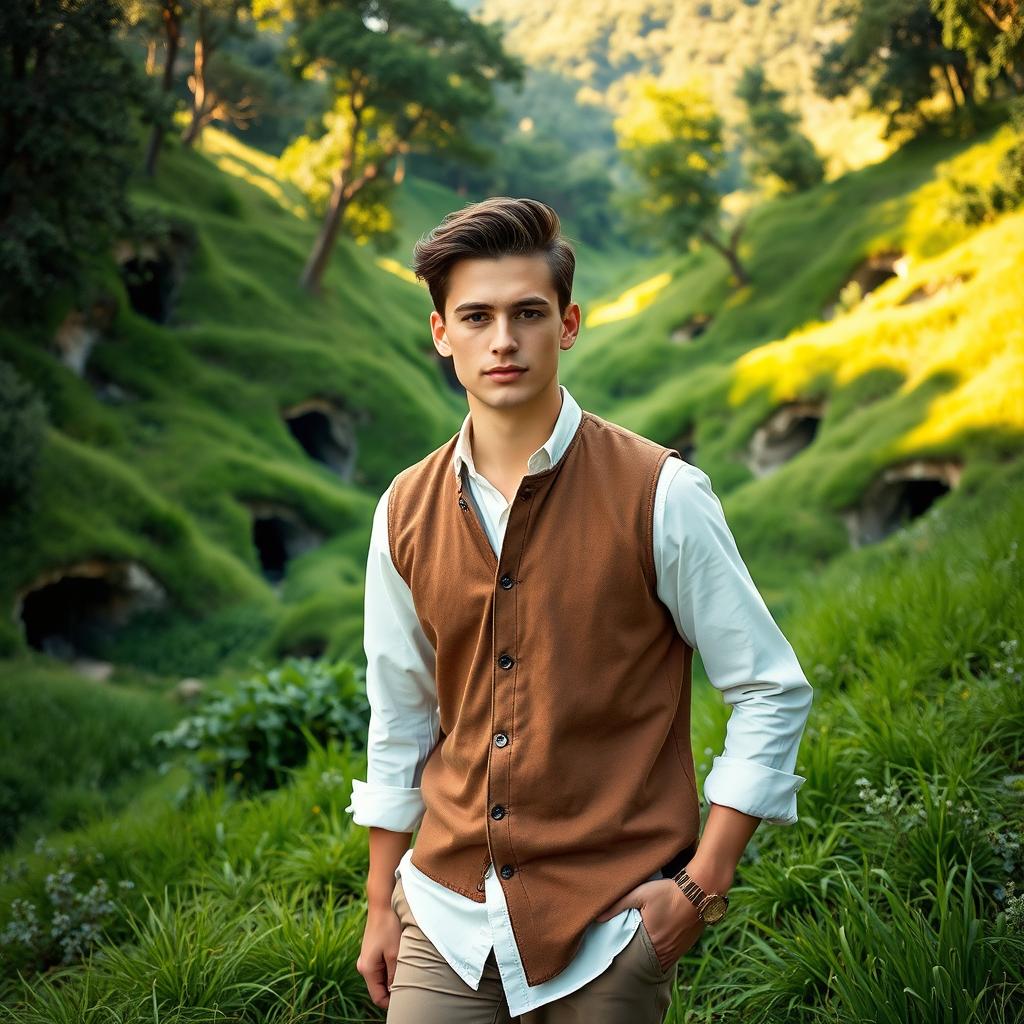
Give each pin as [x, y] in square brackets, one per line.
[929, 366]
[174, 447]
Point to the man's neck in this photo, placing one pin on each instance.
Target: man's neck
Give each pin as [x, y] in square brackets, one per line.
[502, 440]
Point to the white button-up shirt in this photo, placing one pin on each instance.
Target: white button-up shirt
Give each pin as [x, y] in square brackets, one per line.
[717, 609]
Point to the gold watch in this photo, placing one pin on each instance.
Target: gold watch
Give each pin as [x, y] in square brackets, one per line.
[710, 905]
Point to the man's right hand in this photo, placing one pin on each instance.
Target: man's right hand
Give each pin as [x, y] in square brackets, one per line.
[379, 953]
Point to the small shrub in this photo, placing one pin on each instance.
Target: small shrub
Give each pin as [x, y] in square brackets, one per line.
[66, 923]
[972, 204]
[249, 739]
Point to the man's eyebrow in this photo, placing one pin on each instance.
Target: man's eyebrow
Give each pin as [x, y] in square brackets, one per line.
[533, 300]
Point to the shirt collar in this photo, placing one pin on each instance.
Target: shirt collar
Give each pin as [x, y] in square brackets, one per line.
[545, 456]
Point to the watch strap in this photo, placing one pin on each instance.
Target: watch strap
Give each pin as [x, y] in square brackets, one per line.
[694, 892]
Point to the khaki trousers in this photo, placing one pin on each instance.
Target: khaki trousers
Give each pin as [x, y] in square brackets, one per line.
[633, 989]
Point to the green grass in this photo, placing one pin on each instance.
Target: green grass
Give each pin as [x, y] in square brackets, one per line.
[894, 878]
[71, 748]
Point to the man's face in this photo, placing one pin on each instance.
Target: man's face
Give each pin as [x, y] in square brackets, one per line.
[504, 312]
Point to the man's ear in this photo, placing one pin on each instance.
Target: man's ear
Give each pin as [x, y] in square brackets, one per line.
[439, 334]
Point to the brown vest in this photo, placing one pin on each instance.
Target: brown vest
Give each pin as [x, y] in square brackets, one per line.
[563, 685]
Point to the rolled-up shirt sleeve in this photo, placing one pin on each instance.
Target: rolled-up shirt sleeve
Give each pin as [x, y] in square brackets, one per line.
[720, 613]
[401, 691]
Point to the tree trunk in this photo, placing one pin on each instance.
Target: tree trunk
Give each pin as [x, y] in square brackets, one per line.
[172, 33]
[966, 82]
[313, 272]
[198, 83]
[347, 185]
[950, 81]
[730, 253]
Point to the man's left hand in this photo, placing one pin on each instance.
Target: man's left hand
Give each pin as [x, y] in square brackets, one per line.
[669, 915]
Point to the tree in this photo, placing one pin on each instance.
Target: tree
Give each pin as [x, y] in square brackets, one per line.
[68, 107]
[776, 148]
[170, 16]
[215, 21]
[895, 50]
[672, 140]
[403, 75]
[991, 29]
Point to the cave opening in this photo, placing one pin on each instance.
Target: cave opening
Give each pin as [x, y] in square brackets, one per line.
[787, 432]
[901, 495]
[151, 286]
[691, 329]
[68, 614]
[865, 278]
[280, 536]
[325, 438]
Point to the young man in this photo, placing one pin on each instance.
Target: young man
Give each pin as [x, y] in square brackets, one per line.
[535, 590]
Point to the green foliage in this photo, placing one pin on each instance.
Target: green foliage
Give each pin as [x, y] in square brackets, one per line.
[990, 33]
[776, 149]
[409, 76]
[895, 51]
[253, 736]
[672, 140]
[68, 96]
[23, 420]
[171, 644]
[972, 203]
[310, 163]
[542, 142]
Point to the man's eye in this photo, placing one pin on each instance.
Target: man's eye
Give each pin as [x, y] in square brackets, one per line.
[536, 312]
[471, 315]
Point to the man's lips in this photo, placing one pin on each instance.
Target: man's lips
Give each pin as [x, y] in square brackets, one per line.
[513, 372]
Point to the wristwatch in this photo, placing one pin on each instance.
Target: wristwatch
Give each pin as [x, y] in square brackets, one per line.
[710, 905]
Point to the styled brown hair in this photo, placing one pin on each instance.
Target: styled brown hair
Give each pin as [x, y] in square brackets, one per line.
[499, 226]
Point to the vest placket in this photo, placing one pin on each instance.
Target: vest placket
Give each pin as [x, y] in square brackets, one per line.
[505, 661]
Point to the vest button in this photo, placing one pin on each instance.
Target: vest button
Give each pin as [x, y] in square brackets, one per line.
[506, 581]
[506, 661]
[497, 812]
[525, 494]
[462, 504]
[501, 740]
[507, 871]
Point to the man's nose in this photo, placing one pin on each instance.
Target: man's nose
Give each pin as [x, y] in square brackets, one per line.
[504, 336]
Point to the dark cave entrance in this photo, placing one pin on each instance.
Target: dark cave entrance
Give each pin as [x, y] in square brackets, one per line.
[151, 286]
[279, 535]
[68, 613]
[788, 431]
[153, 270]
[901, 495]
[325, 435]
[691, 329]
[865, 278]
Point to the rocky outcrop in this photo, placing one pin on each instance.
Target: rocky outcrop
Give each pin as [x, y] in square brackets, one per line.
[81, 329]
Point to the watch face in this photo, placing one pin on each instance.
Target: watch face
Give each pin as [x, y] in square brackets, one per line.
[715, 909]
